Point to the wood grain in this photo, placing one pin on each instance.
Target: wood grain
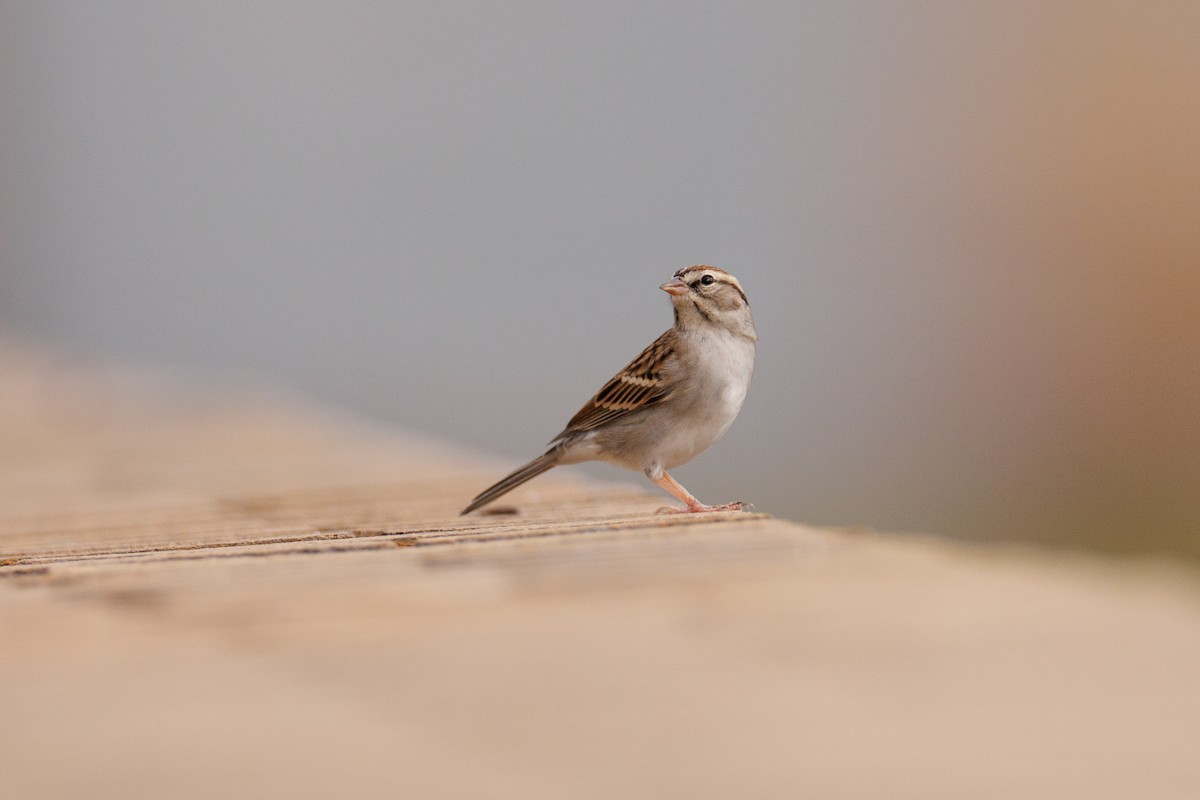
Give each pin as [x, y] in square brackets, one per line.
[208, 594]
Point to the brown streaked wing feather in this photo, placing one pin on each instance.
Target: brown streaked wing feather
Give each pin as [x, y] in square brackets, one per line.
[638, 386]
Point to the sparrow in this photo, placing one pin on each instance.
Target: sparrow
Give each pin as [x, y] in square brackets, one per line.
[672, 401]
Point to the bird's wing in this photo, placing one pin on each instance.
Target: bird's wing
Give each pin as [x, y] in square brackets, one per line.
[640, 385]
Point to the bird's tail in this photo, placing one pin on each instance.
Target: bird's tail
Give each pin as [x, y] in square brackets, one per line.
[527, 472]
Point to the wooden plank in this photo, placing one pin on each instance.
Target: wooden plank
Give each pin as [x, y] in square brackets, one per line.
[210, 596]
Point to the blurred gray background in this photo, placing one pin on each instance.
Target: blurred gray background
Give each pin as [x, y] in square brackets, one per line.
[970, 232]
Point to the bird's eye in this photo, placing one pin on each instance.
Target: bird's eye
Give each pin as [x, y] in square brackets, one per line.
[707, 280]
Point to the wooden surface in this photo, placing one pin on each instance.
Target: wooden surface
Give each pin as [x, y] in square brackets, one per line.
[233, 596]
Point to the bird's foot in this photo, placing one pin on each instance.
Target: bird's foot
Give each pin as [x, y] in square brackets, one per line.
[700, 508]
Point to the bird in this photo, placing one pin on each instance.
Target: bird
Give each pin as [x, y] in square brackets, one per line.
[672, 401]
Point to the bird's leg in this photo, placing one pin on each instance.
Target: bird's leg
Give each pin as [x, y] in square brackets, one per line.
[692, 505]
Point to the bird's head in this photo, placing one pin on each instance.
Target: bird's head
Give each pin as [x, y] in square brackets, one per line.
[704, 295]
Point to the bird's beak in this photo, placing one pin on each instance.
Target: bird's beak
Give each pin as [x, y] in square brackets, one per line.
[674, 287]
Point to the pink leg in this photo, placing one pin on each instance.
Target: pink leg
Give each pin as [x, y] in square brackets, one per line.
[693, 506]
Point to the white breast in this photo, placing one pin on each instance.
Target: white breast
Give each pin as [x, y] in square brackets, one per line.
[723, 375]
[719, 376]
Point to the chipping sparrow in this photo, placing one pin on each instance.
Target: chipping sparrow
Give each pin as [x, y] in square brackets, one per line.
[672, 401]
